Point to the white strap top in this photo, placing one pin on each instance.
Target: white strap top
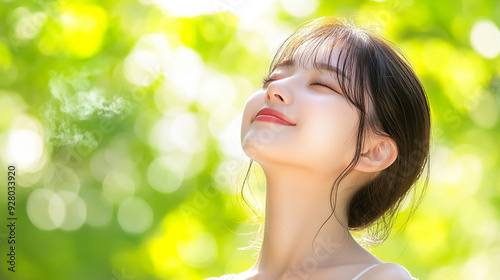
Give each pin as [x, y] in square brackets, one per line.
[364, 271]
[232, 276]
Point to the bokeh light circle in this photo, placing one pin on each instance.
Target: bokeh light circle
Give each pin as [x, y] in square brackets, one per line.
[485, 38]
[135, 215]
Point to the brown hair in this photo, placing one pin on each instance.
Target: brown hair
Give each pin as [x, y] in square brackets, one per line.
[391, 102]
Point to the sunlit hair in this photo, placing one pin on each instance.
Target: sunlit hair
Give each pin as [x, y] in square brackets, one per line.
[390, 100]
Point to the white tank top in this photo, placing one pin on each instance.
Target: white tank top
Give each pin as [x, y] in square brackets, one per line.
[231, 276]
[364, 271]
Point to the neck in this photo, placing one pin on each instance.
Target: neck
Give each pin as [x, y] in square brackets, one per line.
[297, 205]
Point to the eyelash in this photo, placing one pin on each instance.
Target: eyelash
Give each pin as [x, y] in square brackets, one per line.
[318, 82]
[266, 79]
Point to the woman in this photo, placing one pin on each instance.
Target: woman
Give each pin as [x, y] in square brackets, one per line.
[341, 130]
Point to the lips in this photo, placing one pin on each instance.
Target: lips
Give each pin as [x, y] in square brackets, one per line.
[271, 115]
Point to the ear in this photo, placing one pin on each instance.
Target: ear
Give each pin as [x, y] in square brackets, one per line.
[379, 153]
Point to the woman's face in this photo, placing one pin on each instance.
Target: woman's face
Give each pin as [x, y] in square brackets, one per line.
[322, 136]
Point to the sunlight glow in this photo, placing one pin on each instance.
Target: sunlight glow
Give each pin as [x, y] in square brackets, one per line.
[146, 61]
[24, 147]
[184, 70]
[485, 38]
[221, 118]
[179, 130]
[215, 90]
[229, 136]
[477, 268]
[186, 8]
[299, 8]
[80, 32]
[142, 68]
[199, 251]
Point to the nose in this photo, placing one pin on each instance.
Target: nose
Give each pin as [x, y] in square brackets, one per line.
[277, 91]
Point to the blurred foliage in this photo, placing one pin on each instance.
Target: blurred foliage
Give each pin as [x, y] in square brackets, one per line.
[122, 120]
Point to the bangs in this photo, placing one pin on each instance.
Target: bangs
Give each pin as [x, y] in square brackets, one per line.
[318, 41]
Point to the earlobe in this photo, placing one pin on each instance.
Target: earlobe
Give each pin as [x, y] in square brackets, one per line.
[379, 154]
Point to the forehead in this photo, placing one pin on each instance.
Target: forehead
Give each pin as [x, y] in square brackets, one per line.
[321, 56]
[312, 54]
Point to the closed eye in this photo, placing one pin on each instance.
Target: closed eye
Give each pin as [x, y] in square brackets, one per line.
[266, 82]
[267, 79]
[325, 85]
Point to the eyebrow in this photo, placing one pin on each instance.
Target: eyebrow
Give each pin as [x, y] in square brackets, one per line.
[289, 63]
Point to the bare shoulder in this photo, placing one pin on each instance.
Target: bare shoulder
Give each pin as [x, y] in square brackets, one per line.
[389, 271]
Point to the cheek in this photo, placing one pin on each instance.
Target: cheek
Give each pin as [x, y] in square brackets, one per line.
[329, 132]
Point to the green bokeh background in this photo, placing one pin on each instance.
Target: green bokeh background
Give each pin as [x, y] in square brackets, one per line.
[122, 120]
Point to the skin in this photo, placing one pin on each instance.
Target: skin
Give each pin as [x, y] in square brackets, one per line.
[300, 164]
